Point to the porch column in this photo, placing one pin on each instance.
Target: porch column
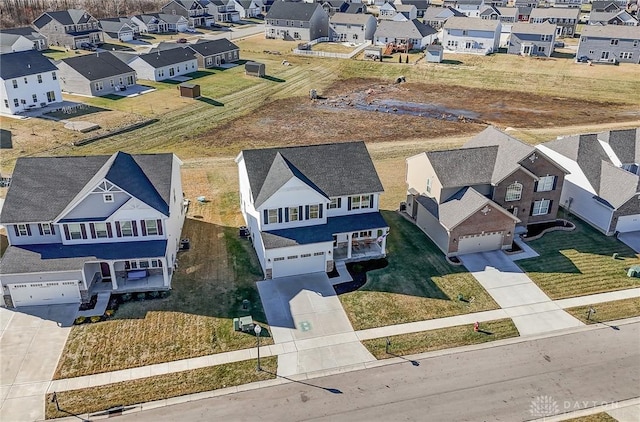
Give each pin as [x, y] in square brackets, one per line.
[165, 273]
[349, 237]
[383, 245]
[112, 271]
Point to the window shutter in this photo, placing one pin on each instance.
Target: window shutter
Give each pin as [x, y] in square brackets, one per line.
[266, 217]
[320, 210]
[118, 230]
[550, 206]
[286, 215]
[28, 229]
[306, 212]
[83, 230]
[531, 210]
[279, 215]
[92, 229]
[40, 229]
[109, 231]
[15, 229]
[66, 231]
[53, 228]
[143, 227]
[555, 182]
[349, 203]
[371, 201]
[134, 226]
[339, 202]
[300, 212]
[159, 223]
[535, 186]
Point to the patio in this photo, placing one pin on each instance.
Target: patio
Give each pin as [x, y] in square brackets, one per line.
[360, 251]
[127, 285]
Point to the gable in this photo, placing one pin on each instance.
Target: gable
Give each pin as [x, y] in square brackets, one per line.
[93, 205]
[293, 192]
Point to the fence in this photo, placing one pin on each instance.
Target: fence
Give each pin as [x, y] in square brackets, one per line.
[355, 51]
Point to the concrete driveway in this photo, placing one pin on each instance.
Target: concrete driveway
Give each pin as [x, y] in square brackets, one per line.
[308, 321]
[510, 287]
[631, 239]
[31, 341]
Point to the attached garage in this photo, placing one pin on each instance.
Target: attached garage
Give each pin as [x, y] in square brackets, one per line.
[44, 293]
[298, 264]
[489, 241]
[628, 223]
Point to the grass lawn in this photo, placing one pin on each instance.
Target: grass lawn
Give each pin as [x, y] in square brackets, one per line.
[608, 311]
[418, 283]
[442, 338]
[580, 263]
[126, 393]
[597, 417]
[333, 47]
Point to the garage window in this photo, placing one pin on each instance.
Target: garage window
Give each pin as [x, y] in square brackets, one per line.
[280, 258]
[318, 253]
[541, 207]
[305, 255]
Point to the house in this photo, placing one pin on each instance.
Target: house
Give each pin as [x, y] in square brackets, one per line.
[610, 44]
[387, 11]
[28, 80]
[405, 12]
[332, 7]
[303, 217]
[21, 39]
[246, 8]
[603, 185]
[69, 28]
[478, 197]
[566, 3]
[95, 74]
[507, 17]
[436, 16]
[193, 10]
[471, 35]
[606, 6]
[165, 64]
[356, 8]
[296, 21]
[414, 33]
[158, 23]
[532, 39]
[420, 5]
[352, 27]
[564, 18]
[88, 225]
[620, 17]
[213, 53]
[116, 29]
[469, 8]
[222, 11]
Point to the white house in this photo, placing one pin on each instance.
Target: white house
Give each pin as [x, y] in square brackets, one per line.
[352, 27]
[603, 187]
[471, 35]
[246, 8]
[21, 39]
[27, 80]
[309, 207]
[90, 225]
[415, 33]
[165, 64]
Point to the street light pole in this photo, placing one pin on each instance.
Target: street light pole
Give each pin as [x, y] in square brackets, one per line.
[257, 329]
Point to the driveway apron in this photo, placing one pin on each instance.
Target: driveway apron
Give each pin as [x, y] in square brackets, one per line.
[532, 311]
[307, 320]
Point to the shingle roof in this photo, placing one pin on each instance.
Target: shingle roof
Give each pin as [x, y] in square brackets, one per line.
[114, 26]
[293, 11]
[625, 143]
[210, 47]
[458, 22]
[355, 8]
[419, 4]
[42, 187]
[533, 28]
[404, 29]
[350, 18]
[439, 12]
[71, 16]
[464, 167]
[98, 66]
[24, 63]
[555, 12]
[332, 169]
[612, 31]
[168, 57]
[25, 31]
[617, 186]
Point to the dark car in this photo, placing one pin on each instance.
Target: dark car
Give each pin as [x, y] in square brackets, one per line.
[583, 59]
[182, 40]
[88, 46]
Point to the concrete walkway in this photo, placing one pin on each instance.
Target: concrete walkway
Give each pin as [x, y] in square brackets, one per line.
[531, 310]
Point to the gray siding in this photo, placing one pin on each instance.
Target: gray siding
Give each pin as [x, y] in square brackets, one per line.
[596, 49]
[94, 206]
[432, 228]
[538, 47]
[34, 238]
[73, 82]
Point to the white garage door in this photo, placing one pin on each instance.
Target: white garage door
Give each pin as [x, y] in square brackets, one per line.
[480, 242]
[126, 36]
[628, 223]
[44, 293]
[182, 27]
[298, 264]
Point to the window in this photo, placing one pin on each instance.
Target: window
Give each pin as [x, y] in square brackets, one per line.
[54, 76]
[546, 183]
[318, 253]
[46, 229]
[126, 229]
[541, 207]
[334, 203]
[514, 192]
[34, 97]
[614, 42]
[151, 227]
[161, 73]
[16, 102]
[22, 230]
[6, 103]
[365, 201]
[101, 230]
[39, 79]
[15, 83]
[99, 86]
[172, 71]
[144, 264]
[130, 80]
[296, 35]
[75, 231]
[111, 83]
[360, 201]
[107, 197]
[51, 96]
[541, 49]
[280, 258]
[429, 185]
[305, 255]
[26, 81]
[272, 216]
[355, 202]
[626, 55]
[294, 214]
[314, 211]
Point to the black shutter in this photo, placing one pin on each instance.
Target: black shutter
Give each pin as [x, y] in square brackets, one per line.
[320, 210]
[66, 231]
[555, 182]
[83, 230]
[134, 225]
[371, 201]
[109, 231]
[531, 210]
[28, 229]
[53, 228]
[40, 229]
[349, 204]
[143, 227]
[306, 212]
[266, 217]
[159, 223]
[15, 229]
[550, 206]
[286, 215]
[279, 215]
[92, 229]
[118, 230]
[339, 202]
[300, 213]
[535, 186]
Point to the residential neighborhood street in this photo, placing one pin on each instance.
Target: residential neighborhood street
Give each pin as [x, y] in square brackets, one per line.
[510, 382]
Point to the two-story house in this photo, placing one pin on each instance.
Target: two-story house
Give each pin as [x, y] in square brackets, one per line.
[610, 44]
[21, 39]
[603, 186]
[69, 28]
[420, 5]
[86, 225]
[95, 74]
[412, 34]
[469, 8]
[162, 65]
[194, 11]
[27, 80]
[565, 19]
[246, 8]
[304, 216]
[222, 11]
[507, 17]
[296, 21]
[532, 39]
[436, 16]
[158, 23]
[352, 27]
[478, 197]
[620, 17]
[471, 35]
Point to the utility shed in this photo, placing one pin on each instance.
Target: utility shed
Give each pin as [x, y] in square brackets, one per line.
[433, 53]
[374, 53]
[254, 69]
[189, 90]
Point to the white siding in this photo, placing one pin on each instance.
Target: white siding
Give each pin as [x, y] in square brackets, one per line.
[25, 91]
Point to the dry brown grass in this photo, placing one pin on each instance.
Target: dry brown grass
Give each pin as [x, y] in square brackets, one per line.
[333, 47]
[607, 311]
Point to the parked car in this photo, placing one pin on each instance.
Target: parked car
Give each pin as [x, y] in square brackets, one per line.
[182, 41]
[583, 59]
[559, 44]
[88, 46]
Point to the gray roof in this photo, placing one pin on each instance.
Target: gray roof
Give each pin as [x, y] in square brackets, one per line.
[71, 16]
[612, 31]
[625, 143]
[25, 31]
[355, 8]
[98, 66]
[293, 11]
[42, 187]
[464, 167]
[59, 257]
[555, 12]
[617, 186]
[404, 29]
[350, 18]
[438, 12]
[331, 169]
[166, 17]
[533, 28]
[458, 22]
[115, 26]
[419, 4]
[168, 57]
[322, 232]
[601, 5]
[24, 63]
[211, 47]
[607, 16]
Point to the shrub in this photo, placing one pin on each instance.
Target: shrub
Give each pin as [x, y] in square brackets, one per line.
[96, 318]
[80, 320]
[125, 297]
[141, 296]
[153, 295]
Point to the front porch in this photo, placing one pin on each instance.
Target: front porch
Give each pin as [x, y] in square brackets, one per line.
[153, 280]
[358, 251]
[130, 276]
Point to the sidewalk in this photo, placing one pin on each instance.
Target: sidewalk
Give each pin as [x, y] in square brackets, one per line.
[320, 342]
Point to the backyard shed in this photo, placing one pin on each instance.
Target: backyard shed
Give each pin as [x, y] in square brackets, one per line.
[433, 53]
[189, 90]
[254, 69]
[374, 53]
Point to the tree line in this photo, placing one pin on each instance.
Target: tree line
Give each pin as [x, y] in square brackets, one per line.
[14, 13]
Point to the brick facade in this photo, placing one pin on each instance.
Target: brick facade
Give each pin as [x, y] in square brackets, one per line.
[480, 222]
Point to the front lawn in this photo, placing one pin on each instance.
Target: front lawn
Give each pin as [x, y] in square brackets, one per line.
[607, 311]
[580, 262]
[418, 283]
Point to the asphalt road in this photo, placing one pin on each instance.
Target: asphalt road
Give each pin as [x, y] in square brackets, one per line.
[516, 382]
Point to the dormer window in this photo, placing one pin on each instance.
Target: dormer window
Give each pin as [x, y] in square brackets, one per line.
[107, 197]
